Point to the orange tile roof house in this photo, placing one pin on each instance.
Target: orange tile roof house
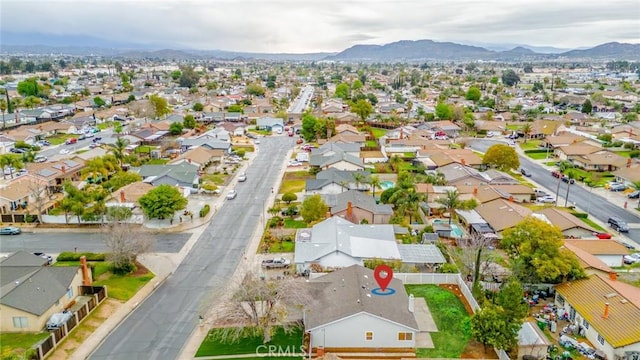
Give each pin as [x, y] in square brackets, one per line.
[607, 310]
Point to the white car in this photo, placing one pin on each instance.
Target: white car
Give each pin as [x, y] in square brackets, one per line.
[546, 199]
[295, 163]
[232, 194]
[631, 259]
[256, 142]
[242, 177]
[64, 151]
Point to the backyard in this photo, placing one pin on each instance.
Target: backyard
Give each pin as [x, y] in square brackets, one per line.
[378, 133]
[60, 138]
[14, 345]
[294, 181]
[215, 344]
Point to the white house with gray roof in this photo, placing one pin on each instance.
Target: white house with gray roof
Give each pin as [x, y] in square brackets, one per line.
[184, 174]
[334, 181]
[337, 243]
[31, 292]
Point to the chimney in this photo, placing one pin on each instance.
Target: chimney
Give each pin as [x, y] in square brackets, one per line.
[511, 198]
[86, 278]
[629, 162]
[606, 311]
[63, 169]
[613, 276]
[463, 162]
[411, 302]
[349, 210]
[123, 199]
[328, 214]
[475, 191]
[189, 160]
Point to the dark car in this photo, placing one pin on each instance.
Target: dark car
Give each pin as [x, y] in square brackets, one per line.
[290, 211]
[618, 224]
[49, 258]
[634, 195]
[566, 179]
[525, 172]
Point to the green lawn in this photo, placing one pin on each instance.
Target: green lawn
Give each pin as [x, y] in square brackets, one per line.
[217, 179]
[378, 133]
[124, 287]
[282, 247]
[246, 148]
[157, 161]
[105, 125]
[144, 149]
[293, 186]
[537, 156]
[593, 224]
[624, 153]
[18, 343]
[213, 344]
[531, 145]
[294, 224]
[371, 143]
[513, 127]
[99, 267]
[60, 138]
[451, 318]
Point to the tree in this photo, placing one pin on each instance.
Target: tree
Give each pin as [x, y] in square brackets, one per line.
[237, 108]
[97, 170]
[503, 157]
[528, 69]
[254, 90]
[359, 178]
[636, 186]
[570, 176]
[28, 87]
[99, 101]
[308, 127]
[443, 111]
[342, 91]
[258, 305]
[188, 77]
[535, 249]
[73, 202]
[452, 203]
[38, 192]
[189, 122]
[509, 298]
[125, 242]
[491, 327]
[118, 149]
[587, 107]
[510, 78]
[198, 107]
[175, 128]
[526, 129]
[162, 201]
[362, 108]
[313, 209]
[175, 75]
[289, 197]
[11, 162]
[374, 181]
[473, 94]
[160, 106]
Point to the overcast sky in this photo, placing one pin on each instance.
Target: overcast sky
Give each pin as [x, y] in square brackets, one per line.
[328, 25]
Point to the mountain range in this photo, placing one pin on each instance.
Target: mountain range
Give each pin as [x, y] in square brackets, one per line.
[405, 50]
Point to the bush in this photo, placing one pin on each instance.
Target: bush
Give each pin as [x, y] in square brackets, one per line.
[629, 145]
[580, 215]
[126, 268]
[634, 154]
[205, 210]
[72, 256]
[447, 268]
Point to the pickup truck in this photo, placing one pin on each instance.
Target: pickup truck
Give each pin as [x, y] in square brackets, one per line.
[276, 263]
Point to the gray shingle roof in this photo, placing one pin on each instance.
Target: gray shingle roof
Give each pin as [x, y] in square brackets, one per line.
[339, 202]
[35, 289]
[183, 173]
[332, 175]
[22, 258]
[347, 292]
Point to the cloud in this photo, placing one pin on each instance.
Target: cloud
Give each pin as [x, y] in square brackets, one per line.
[327, 25]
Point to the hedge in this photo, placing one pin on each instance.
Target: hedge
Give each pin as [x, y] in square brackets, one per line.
[580, 215]
[536, 151]
[205, 210]
[73, 256]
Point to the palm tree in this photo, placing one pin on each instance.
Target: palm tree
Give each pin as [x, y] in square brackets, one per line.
[395, 162]
[118, 149]
[526, 130]
[99, 168]
[374, 181]
[358, 178]
[570, 175]
[9, 162]
[452, 202]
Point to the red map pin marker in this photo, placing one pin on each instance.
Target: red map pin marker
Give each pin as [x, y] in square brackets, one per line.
[383, 275]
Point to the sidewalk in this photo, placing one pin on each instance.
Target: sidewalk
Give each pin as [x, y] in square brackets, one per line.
[199, 334]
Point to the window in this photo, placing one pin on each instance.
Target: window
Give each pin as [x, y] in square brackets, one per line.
[585, 323]
[560, 299]
[20, 322]
[70, 293]
[368, 335]
[600, 339]
[405, 336]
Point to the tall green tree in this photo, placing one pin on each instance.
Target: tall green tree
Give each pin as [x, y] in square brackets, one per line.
[162, 202]
[118, 149]
[443, 111]
[309, 127]
[29, 87]
[491, 327]
[473, 94]
[375, 182]
[536, 251]
[160, 106]
[342, 91]
[587, 108]
[510, 299]
[11, 162]
[362, 108]
[189, 122]
[503, 157]
[188, 77]
[510, 78]
[175, 128]
[452, 203]
[313, 209]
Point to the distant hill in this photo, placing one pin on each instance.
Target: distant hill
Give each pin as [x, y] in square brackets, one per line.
[612, 50]
[412, 50]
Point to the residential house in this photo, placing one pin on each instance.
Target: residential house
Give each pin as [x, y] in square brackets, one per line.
[336, 243]
[347, 137]
[571, 151]
[457, 174]
[333, 106]
[603, 160]
[335, 181]
[503, 214]
[358, 207]
[21, 193]
[184, 174]
[446, 157]
[490, 126]
[129, 194]
[269, 123]
[347, 129]
[452, 130]
[532, 341]
[543, 128]
[200, 156]
[475, 224]
[345, 317]
[55, 173]
[554, 142]
[337, 159]
[609, 252]
[606, 312]
[32, 292]
[589, 262]
[628, 174]
[571, 226]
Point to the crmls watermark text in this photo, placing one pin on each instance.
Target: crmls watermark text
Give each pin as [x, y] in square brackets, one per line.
[278, 351]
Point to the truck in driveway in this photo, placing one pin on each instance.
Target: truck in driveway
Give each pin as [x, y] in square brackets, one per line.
[276, 263]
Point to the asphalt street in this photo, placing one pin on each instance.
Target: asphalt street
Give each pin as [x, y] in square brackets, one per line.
[599, 207]
[57, 242]
[302, 101]
[52, 151]
[161, 325]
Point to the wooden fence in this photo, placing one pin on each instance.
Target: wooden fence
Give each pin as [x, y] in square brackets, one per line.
[98, 294]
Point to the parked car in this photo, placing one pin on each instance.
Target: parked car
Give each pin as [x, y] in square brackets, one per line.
[71, 141]
[18, 150]
[276, 263]
[49, 258]
[618, 187]
[525, 172]
[556, 174]
[40, 158]
[546, 199]
[634, 195]
[232, 194]
[628, 246]
[618, 224]
[242, 177]
[57, 320]
[294, 163]
[10, 230]
[64, 151]
[251, 136]
[43, 143]
[602, 235]
[566, 179]
[631, 259]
